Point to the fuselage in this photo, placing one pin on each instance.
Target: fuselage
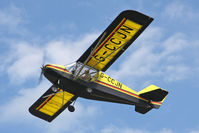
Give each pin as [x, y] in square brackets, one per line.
[100, 87]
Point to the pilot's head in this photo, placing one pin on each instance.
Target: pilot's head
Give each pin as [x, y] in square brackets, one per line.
[86, 71]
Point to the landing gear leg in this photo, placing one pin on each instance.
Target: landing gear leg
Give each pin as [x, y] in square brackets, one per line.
[71, 108]
[55, 86]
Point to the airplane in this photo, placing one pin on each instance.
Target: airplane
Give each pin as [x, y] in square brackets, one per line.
[86, 78]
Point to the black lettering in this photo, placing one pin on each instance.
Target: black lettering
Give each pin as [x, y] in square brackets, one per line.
[112, 81]
[106, 46]
[101, 75]
[104, 52]
[116, 83]
[100, 58]
[119, 85]
[117, 43]
[123, 35]
[109, 79]
[126, 29]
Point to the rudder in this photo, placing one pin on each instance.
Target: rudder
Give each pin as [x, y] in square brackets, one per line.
[155, 95]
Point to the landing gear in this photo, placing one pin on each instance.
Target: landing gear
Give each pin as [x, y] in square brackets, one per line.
[89, 90]
[54, 89]
[71, 108]
[55, 86]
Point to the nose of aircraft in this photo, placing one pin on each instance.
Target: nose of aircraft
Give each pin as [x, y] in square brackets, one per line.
[41, 74]
[53, 72]
[54, 66]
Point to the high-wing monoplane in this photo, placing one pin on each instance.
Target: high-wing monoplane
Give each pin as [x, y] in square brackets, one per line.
[86, 78]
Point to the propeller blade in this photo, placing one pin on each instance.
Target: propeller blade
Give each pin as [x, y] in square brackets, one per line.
[41, 75]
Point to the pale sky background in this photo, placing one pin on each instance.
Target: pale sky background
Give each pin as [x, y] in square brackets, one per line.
[166, 54]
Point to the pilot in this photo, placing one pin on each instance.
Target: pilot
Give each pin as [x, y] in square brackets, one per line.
[86, 75]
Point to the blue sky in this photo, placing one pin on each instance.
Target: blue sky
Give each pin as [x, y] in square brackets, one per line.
[166, 54]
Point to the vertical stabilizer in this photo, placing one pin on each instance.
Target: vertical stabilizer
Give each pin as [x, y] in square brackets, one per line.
[155, 95]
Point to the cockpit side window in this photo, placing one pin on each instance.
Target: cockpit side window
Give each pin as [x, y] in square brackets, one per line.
[82, 71]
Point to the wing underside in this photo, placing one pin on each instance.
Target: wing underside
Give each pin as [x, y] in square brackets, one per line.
[51, 104]
[118, 37]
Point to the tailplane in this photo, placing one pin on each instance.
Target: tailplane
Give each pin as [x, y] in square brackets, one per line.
[142, 110]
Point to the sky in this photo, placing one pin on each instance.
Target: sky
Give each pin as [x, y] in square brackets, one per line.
[165, 54]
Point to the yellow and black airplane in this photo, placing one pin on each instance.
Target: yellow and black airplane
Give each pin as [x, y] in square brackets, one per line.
[85, 78]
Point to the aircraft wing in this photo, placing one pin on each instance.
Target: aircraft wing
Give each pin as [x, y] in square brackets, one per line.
[51, 104]
[119, 35]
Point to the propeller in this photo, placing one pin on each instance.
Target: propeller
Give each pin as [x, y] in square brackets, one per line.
[42, 67]
[41, 75]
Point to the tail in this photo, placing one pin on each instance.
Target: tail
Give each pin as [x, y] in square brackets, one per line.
[154, 95]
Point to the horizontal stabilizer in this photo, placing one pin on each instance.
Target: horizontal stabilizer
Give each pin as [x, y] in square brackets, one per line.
[142, 110]
[153, 93]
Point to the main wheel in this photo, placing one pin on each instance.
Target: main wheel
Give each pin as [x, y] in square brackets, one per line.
[71, 108]
[54, 89]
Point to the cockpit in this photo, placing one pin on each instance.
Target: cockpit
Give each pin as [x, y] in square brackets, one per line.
[80, 70]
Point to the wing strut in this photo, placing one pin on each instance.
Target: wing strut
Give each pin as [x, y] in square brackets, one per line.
[55, 94]
[86, 61]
